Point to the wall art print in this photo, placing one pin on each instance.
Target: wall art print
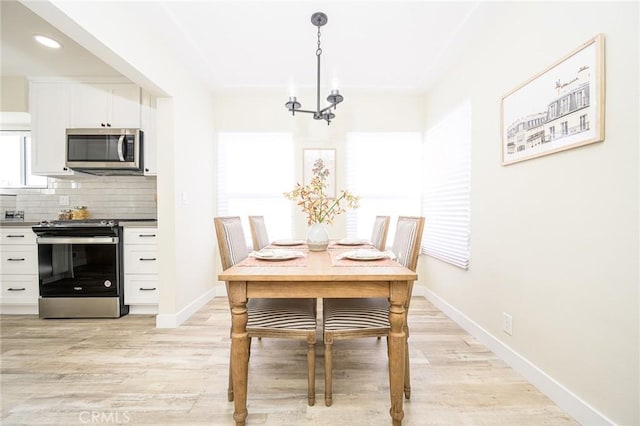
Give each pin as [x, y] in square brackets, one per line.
[558, 109]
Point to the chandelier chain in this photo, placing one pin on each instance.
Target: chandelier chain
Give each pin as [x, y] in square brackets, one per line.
[319, 50]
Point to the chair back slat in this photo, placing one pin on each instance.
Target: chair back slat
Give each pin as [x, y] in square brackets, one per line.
[231, 240]
[379, 233]
[406, 245]
[259, 235]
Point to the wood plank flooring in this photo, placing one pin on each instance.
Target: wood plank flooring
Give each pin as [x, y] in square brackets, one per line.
[125, 371]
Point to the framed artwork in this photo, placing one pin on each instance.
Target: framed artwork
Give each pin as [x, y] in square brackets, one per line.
[328, 157]
[558, 109]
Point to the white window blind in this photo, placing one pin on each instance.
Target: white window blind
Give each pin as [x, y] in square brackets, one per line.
[384, 169]
[447, 187]
[253, 172]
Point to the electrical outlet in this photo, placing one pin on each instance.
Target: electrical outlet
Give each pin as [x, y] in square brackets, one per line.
[507, 323]
[64, 200]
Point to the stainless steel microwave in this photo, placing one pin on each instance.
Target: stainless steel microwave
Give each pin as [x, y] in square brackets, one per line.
[105, 151]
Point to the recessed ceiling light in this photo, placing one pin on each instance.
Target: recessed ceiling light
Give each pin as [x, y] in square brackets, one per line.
[47, 41]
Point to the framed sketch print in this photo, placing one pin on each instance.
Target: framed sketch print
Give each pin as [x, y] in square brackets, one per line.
[328, 157]
[559, 109]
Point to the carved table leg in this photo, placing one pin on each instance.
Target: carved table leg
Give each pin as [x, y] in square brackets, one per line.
[397, 348]
[239, 350]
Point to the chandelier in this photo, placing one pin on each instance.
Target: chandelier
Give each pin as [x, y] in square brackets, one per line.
[318, 19]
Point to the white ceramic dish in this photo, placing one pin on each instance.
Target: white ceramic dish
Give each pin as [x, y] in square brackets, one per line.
[276, 254]
[365, 255]
[351, 242]
[288, 242]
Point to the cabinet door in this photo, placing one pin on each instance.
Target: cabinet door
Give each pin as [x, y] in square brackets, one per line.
[89, 106]
[124, 107]
[50, 105]
[106, 105]
[148, 125]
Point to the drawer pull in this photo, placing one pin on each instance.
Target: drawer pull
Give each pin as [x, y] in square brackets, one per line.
[16, 289]
[77, 288]
[146, 235]
[18, 259]
[15, 236]
[147, 289]
[147, 258]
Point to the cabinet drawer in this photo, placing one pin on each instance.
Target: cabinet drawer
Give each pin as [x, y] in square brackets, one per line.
[17, 236]
[19, 289]
[140, 260]
[19, 259]
[141, 235]
[141, 289]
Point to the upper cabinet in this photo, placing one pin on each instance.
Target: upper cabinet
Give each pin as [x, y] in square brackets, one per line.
[105, 105]
[50, 106]
[60, 104]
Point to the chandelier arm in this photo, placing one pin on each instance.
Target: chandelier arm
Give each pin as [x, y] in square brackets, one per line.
[306, 110]
[327, 108]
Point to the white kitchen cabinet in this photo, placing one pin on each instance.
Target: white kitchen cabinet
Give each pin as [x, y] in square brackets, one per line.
[148, 125]
[105, 105]
[19, 271]
[50, 107]
[141, 290]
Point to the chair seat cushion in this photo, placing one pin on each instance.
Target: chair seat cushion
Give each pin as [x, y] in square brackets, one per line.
[282, 314]
[355, 314]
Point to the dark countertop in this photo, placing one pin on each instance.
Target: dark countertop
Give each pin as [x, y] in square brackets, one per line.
[18, 223]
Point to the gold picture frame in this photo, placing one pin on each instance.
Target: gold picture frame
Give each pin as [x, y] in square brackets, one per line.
[558, 109]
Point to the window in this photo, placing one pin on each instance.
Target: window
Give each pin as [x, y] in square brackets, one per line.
[251, 182]
[447, 188]
[15, 163]
[384, 169]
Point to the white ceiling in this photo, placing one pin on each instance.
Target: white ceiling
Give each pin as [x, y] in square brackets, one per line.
[267, 44]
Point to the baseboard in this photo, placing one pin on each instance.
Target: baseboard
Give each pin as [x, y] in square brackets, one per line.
[174, 320]
[570, 403]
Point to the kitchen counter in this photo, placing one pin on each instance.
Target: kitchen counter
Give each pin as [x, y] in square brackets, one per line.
[17, 223]
[139, 224]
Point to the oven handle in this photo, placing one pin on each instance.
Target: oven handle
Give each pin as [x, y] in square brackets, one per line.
[77, 240]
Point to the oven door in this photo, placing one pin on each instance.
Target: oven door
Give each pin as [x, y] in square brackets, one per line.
[79, 266]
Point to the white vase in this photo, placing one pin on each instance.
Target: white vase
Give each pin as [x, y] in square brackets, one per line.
[317, 237]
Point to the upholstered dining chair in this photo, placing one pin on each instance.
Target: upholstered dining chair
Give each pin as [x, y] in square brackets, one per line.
[259, 235]
[278, 318]
[379, 233]
[369, 317]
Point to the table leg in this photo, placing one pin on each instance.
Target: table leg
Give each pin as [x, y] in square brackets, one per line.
[239, 350]
[397, 342]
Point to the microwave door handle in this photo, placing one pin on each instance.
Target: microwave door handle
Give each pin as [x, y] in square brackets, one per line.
[120, 145]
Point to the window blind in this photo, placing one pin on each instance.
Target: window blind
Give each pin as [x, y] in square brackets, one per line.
[447, 188]
[384, 169]
[250, 182]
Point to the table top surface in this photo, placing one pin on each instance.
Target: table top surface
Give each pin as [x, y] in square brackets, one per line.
[317, 266]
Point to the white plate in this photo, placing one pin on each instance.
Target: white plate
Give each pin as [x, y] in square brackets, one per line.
[351, 242]
[365, 255]
[288, 242]
[276, 254]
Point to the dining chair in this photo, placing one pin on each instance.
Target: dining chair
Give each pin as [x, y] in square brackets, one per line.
[259, 235]
[379, 233]
[369, 317]
[278, 318]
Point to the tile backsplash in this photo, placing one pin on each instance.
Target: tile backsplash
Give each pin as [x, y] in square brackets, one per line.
[120, 197]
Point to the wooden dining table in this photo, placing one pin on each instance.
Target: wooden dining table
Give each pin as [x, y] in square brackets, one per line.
[317, 275]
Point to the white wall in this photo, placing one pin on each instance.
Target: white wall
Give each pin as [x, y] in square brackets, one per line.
[554, 240]
[185, 140]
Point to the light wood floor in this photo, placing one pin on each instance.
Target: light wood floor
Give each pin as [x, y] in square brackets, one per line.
[125, 371]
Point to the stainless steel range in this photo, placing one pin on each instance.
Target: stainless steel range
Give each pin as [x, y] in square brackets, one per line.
[80, 269]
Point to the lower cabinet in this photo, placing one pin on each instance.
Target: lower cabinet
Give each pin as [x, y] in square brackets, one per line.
[18, 271]
[141, 290]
